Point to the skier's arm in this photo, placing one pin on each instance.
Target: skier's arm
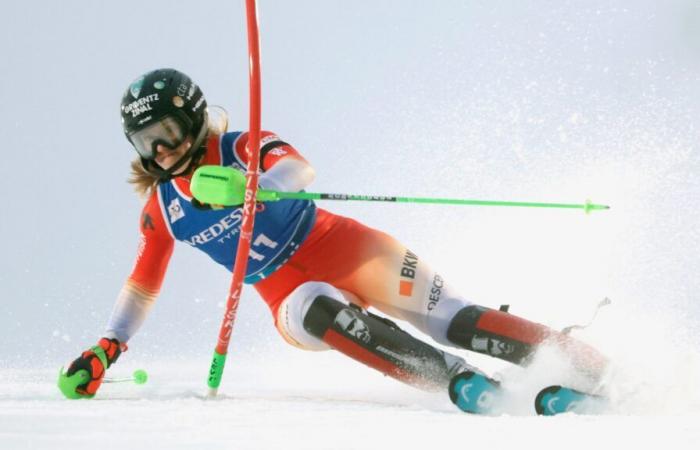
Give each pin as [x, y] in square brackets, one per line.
[133, 304]
[283, 167]
[130, 310]
[139, 293]
[288, 175]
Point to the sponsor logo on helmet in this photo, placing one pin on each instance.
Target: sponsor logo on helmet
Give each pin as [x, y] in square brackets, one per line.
[160, 84]
[175, 211]
[182, 89]
[198, 104]
[190, 94]
[135, 88]
[144, 120]
[140, 106]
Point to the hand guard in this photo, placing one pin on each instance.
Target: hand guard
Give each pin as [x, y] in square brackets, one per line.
[84, 375]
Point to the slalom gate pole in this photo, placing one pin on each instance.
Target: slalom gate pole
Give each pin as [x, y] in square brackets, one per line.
[241, 262]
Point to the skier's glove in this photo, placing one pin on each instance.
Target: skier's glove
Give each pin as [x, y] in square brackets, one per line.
[84, 375]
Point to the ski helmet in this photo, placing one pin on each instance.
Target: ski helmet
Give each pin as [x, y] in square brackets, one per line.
[164, 107]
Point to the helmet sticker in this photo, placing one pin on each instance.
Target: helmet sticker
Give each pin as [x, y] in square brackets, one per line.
[141, 105]
[135, 87]
[145, 119]
[198, 104]
[157, 95]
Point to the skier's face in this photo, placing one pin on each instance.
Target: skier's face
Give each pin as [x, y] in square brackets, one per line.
[166, 157]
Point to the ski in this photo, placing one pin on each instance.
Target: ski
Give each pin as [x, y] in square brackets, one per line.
[475, 393]
[555, 399]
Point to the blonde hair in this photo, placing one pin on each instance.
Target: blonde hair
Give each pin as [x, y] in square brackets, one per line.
[145, 182]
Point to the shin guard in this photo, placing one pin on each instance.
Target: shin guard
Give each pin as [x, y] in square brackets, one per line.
[511, 338]
[380, 344]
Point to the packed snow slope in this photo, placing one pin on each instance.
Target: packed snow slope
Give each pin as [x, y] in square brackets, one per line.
[319, 401]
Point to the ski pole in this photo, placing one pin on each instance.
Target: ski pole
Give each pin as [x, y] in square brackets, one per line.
[69, 383]
[217, 185]
[138, 377]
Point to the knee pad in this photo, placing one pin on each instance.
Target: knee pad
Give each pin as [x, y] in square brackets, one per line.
[294, 309]
[496, 333]
[379, 343]
[514, 339]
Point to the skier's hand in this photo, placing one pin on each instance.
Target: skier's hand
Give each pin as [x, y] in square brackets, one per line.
[84, 375]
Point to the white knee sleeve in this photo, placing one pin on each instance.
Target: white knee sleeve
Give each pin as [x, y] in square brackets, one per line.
[290, 318]
[441, 303]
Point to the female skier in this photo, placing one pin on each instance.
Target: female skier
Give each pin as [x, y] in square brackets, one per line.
[318, 272]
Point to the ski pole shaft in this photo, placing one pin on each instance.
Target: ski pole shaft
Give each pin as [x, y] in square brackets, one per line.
[273, 196]
[138, 377]
[117, 380]
[218, 185]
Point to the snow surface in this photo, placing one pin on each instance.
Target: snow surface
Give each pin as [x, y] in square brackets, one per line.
[321, 401]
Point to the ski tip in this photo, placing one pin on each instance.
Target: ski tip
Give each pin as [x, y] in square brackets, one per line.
[554, 400]
[540, 402]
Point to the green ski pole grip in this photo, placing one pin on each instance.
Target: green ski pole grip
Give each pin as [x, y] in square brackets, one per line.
[218, 185]
[216, 370]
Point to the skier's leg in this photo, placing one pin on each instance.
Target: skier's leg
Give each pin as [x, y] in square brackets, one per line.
[317, 316]
[398, 283]
[514, 339]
